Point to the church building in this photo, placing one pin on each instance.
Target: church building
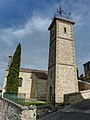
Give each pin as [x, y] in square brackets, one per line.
[32, 83]
[61, 77]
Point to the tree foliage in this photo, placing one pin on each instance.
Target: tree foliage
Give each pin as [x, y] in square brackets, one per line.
[13, 75]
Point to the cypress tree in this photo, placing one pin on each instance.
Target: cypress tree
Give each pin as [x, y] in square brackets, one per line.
[13, 75]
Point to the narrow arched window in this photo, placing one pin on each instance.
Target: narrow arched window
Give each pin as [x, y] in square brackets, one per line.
[20, 82]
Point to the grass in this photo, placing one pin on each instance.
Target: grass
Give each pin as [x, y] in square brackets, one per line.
[27, 102]
[39, 103]
[36, 103]
[32, 102]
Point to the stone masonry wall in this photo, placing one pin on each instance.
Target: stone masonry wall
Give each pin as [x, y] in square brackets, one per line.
[66, 77]
[12, 111]
[41, 87]
[82, 85]
[26, 83]
[76, 97]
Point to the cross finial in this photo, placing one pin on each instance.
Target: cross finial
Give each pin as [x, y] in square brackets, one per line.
[61, 10]
[61, 13]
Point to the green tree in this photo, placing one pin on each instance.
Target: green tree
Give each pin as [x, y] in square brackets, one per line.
[13, 75]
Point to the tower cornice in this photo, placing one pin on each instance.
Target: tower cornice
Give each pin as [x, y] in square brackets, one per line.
[61, 19]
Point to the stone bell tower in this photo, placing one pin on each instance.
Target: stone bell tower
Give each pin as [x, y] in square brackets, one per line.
[62, 76]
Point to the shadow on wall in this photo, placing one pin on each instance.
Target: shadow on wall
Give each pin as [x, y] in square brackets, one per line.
[83, 93]
[83, 85]
[33, 88]
[38, 86]
[20, 112]
[76, 97]
[73, 97]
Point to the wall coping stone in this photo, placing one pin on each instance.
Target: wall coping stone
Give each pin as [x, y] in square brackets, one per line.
[20, 106]
[85, 91]
[79, 92]
[84, 82]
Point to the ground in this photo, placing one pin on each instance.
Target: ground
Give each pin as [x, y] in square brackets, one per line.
[78, 111]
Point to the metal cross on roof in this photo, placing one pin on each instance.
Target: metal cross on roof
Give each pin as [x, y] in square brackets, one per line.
[61, 13]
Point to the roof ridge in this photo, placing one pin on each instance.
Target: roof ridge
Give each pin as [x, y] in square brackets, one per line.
[32, 70]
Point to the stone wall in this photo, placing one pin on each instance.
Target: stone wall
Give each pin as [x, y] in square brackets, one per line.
[12, 111]
[82, 85]
[66, 77]
[26, 83]
[76, 97]
[62, 59]
[38, 88]
[41, 87]
[32, 87]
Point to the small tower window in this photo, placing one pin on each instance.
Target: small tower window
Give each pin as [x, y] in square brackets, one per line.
[65, 30]
[20, 82]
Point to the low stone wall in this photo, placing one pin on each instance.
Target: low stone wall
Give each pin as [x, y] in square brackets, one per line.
[44, 110]
[82, 85]
[12, 111]
[76, 97]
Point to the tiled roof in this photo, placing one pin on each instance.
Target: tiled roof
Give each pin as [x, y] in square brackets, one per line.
[31, 70]
[40, 74]
[86, 63]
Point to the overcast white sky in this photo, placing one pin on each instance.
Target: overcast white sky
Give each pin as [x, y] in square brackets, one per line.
[27, 21]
